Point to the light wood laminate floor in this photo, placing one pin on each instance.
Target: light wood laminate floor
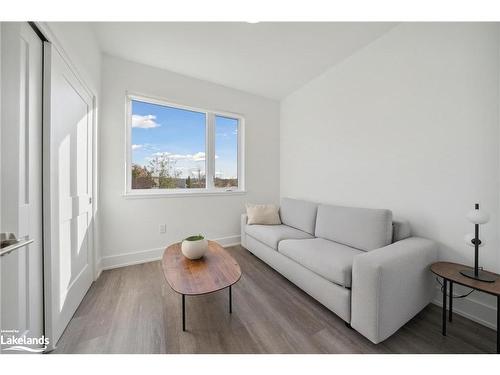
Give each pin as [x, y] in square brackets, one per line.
[133, 310]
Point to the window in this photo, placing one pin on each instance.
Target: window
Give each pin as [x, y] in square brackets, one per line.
[226, 152]
[177, 149]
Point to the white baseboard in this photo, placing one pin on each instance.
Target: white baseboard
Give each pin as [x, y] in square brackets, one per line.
[229, 241]
[472, 309]
[98, 269]
[151, 255]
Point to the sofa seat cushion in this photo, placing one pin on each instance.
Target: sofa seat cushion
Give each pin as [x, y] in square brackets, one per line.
[271, 235]
[329, 259]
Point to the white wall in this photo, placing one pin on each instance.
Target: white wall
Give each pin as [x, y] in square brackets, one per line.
[81, 47]
[409, 123]
[130, 226]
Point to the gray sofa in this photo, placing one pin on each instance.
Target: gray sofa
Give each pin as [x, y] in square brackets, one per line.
[357, 262]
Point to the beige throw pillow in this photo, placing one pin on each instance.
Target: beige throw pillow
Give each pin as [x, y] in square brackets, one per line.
[263, 214]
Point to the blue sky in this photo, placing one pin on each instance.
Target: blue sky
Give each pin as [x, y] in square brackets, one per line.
[180, 133]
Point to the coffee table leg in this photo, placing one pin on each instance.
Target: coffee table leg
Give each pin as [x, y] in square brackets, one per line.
[451, 302]
[230, 300]
[183, 312]
[498, 324]
[445, 286]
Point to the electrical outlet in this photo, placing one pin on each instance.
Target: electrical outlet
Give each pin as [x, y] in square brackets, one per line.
[163, 228]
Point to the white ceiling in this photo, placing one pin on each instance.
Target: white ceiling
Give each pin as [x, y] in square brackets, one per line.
[267, 59]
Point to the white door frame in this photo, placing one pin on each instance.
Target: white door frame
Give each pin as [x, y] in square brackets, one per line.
[94, 262]
[0, 164]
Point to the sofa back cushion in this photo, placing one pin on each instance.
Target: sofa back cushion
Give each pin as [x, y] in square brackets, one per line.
[400, 230]
[299, 214]
[362, 228]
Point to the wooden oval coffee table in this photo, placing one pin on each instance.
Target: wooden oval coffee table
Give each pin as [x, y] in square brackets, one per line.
[216, 270]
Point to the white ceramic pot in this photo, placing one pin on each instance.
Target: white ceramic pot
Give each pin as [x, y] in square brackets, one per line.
[194, 249]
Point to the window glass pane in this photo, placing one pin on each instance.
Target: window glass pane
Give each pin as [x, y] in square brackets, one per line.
[168, 147]
[226, 152]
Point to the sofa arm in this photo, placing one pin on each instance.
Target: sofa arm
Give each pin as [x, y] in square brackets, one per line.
[243, 223]
[390, 285]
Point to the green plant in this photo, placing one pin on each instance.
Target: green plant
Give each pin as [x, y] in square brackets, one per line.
[194, 238]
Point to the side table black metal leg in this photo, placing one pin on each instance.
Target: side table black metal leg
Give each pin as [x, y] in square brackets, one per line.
[498, 324]
[451, 302]
[445, 285]
[230, 300]
[183, 312]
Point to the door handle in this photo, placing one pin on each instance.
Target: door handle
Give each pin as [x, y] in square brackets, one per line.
[20, 243]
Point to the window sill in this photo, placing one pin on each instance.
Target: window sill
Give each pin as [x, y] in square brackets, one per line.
[181, 194]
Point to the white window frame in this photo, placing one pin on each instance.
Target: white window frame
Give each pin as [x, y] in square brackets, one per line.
[210, 189]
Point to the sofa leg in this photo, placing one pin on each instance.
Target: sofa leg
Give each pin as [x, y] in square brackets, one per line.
[348, 325]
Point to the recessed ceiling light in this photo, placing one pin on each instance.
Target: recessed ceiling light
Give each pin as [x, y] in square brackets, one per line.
[253, 21]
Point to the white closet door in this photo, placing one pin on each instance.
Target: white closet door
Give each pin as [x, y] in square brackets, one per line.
[68, 195]
[21, 182]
